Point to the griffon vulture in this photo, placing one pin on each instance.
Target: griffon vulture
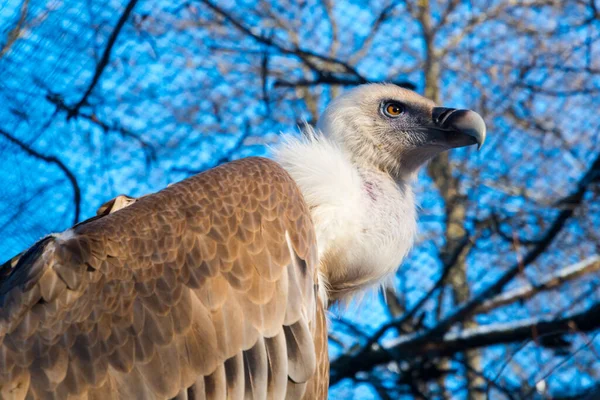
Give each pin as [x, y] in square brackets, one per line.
[216, 286]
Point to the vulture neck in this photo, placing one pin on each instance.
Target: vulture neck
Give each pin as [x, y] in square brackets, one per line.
[365, 221]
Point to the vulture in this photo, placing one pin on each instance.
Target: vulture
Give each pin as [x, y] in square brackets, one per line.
[217, 286]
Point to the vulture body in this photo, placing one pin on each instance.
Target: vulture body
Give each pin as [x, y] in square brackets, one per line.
[216, 287]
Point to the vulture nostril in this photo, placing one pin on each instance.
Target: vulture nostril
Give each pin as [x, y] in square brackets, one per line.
[441, 114]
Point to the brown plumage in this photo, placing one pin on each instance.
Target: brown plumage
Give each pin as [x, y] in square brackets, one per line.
[203, 290]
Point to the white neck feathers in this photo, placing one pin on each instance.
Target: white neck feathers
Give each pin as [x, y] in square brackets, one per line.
[364, 221]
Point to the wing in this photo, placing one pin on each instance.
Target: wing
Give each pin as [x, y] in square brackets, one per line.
[206, 289]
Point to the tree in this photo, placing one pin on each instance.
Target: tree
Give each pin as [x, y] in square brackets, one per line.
[500, 296]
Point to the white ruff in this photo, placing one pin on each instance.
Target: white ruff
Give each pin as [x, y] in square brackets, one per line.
[364, 221]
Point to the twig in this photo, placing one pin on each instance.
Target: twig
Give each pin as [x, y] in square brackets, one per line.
[16, 32]
[399, 322]
[147, 147]
[331, 79]
[525, 292]
[489, 382]
[53, 160]
[561, 363]
[239, 143]
[104, 59]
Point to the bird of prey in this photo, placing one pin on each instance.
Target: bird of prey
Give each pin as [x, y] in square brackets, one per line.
[216, 287]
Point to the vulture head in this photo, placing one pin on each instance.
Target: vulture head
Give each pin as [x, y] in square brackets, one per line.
[396, 129]
[356, 174]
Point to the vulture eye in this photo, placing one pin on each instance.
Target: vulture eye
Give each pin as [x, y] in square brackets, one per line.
[392, 109]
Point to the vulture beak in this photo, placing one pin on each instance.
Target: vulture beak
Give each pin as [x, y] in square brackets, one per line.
[461, 127]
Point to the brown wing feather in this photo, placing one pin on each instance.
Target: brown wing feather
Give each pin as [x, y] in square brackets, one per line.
[206, 289]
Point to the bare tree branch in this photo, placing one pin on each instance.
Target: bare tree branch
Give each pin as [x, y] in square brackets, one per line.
[147, 147]
[239, 143]
[451, 343]
[309, 58]
[16, 32]
[525, 292]
[52, 160]
[305, 55]
[332, 79]
[382, 17]
[400, 322]
[104, 59]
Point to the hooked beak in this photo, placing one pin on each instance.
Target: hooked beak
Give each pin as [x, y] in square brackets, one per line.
[462, 127]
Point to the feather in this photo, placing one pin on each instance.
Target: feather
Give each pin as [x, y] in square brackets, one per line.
[122, 357]
[234, 373]
[215, 384]
[296, 391]
[18, 386]
[50, 285]
[256, 371]
[278, 366]
[197, 391]
[161, 374]
[300, 351]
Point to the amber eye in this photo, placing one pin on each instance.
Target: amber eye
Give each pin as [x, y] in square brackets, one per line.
[392, 109]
